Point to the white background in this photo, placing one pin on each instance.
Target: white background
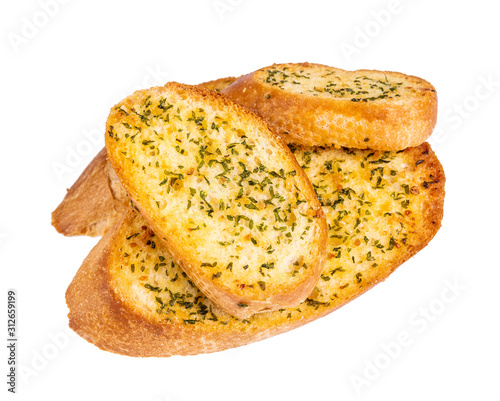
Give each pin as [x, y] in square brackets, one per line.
[58, 82]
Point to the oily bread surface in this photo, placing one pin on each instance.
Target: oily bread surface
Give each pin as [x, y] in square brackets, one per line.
[152, 309]
[223, 192]
[317, 105]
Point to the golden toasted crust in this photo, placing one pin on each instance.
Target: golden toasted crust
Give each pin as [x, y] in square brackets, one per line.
[205, 172]
[385, 110]
[106, 308]
[94, 203]
[99, 317]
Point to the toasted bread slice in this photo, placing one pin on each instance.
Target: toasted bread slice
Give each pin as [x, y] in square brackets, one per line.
[223, 192]
[97, 199]
[317, 105]
[131, 298]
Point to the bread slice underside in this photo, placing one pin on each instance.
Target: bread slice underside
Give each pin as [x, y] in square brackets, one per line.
[94, 203]
[317, 105]
[223, 193]
[130, 297]
[97, 199]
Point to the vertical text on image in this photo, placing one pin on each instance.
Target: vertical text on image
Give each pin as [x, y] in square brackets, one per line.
[11, 340]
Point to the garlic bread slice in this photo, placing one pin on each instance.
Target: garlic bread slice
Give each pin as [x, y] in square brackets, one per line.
[318, 105]
[223, 192]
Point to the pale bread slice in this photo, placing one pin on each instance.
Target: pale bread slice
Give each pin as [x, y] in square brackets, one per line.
[318, 105]
[223, 192]
[394, 199]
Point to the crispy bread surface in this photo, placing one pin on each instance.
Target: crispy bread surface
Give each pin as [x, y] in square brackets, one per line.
[313, 104]
[224, 194]
[130, 297]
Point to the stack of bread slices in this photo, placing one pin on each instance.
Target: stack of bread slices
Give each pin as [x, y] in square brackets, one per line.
[239, 209]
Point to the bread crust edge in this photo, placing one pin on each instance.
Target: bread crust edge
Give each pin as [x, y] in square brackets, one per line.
[313, 121]
[228, 301]
[100, 318]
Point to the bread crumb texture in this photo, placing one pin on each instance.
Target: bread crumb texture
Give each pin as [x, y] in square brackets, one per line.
[330, 82]
[225, 194]
[381, 208]
[313, 104]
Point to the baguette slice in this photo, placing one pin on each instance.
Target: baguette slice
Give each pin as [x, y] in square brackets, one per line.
[97, 199]
[223, 192]
[317, 105]
[131, 298]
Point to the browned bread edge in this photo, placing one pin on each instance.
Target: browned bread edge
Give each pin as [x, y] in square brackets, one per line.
[93, 203]
[311, 121]
[99, 317]
[230, 302]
